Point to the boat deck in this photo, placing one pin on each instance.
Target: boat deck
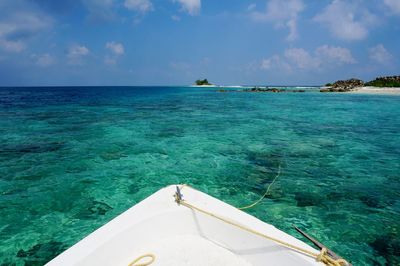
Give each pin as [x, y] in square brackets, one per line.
[191, 250]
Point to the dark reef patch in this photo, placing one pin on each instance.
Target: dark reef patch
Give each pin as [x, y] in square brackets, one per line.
[110, 155]
[95, 209]
[371, 201]
[171, 132]
[388, 246]
[99, 208]
[41, 253]
[305, 199]
[38, 147]
[275, 193]
[270, 160]
[133, 188]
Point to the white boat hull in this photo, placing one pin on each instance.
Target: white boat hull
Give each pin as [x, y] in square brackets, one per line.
[178, 235]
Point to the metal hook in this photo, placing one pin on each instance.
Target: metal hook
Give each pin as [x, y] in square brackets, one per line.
[178, 195]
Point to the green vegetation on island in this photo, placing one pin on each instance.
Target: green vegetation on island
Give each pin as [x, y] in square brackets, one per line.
[352, 84]
[203, 82]
[392, 81]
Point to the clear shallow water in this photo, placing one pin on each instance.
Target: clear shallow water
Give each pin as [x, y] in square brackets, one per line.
[72, 159]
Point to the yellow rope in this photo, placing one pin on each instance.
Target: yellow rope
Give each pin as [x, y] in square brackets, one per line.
[328, 260]
[265, 194]
[322, 256]
[135, 261]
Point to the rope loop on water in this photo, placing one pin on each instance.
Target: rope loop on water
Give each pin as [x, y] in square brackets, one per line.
[265, 194]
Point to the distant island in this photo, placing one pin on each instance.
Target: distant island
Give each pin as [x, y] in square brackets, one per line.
[388, 83]
[391, 81]
[260, 89]
[203, 82]
[380, 85]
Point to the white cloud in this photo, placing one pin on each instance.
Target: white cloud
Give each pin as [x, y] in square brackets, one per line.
[266, 63]
[292, 25]
[283, 14]
[12, 46]
[76, 54]
[192, 7]
[78, 51]
[379, 54]
[43, 60]
[17, 28]
[115, 48]
[275, 62]
[346, 20]
[393, 5]
[142, 6]
[299, 58]
[335, 54]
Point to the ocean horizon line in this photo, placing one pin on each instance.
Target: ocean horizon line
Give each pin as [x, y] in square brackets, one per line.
[172, 86]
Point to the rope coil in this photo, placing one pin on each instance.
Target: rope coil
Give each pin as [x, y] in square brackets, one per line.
[326, 259]
[320, 257]
[147, 263]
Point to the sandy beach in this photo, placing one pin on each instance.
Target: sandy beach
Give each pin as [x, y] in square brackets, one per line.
[377, 90]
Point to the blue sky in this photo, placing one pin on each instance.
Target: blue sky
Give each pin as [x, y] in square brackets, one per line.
[174, 42]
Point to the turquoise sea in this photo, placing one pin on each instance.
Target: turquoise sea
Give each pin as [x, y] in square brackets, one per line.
[71, 159]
